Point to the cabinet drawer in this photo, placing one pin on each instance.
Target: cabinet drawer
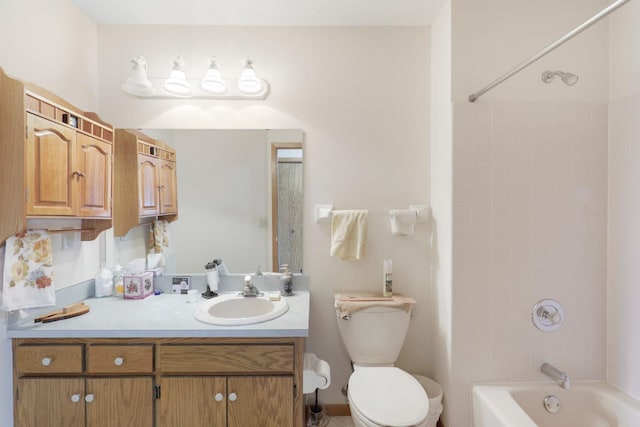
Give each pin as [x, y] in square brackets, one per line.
[58, 359]
[225, 358]
[119, 359]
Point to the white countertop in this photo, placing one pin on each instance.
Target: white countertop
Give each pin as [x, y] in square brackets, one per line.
[161, 316]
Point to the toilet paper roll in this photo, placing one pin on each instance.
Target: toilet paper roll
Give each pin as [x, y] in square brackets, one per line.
[315, 374]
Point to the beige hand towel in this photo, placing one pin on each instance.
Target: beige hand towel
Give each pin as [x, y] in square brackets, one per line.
[348, 234]
[27, 276]
[350, 302]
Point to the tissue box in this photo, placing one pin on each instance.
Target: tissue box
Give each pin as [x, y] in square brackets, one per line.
[138, 286]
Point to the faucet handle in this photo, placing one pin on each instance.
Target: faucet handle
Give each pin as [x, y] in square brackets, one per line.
[247, 280]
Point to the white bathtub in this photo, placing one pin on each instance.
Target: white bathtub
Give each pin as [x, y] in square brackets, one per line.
[585, 404]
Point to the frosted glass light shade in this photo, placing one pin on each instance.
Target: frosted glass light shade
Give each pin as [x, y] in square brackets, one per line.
[249, 82]
[137, 83]
[177, 83]
[213, 82]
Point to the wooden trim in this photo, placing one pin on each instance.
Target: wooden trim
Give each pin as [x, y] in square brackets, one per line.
[338, 410]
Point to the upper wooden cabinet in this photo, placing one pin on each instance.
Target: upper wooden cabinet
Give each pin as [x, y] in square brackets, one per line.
[145, 183]
[56, 160]
[68, 173]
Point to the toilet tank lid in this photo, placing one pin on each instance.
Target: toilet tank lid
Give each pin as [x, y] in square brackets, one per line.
[350, 302]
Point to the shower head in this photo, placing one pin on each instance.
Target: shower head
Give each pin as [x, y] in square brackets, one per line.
[569, 78]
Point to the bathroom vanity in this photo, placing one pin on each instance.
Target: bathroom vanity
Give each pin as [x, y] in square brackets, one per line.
[150, 363]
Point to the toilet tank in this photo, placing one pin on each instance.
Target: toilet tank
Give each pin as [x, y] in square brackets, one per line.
[374, 335]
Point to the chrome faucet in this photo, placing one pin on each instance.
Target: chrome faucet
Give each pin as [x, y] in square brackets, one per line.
[555, 374]
[250, 289]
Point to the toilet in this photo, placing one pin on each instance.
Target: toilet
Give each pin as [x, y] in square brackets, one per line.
[373, 330]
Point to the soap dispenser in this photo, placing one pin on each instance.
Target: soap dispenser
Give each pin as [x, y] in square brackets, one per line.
[286, 279]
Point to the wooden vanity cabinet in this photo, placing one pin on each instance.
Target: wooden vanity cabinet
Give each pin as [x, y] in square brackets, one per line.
[235, 382]
[145, 183]
[56, 161]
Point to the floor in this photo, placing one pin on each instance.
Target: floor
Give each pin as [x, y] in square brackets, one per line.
[340, 422]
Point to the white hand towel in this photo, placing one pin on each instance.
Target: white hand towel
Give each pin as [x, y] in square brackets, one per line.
[403, 221]
[27, 276]
[348, 234]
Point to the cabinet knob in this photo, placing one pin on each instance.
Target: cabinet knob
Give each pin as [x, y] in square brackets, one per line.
[75, 398]
[88, 398]
[79, 174]
[46, 361]
[118, 361]
[219, 397]
[233, 397]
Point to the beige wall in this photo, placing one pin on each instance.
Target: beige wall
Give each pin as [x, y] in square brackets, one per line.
[441, 203]
[623, 321]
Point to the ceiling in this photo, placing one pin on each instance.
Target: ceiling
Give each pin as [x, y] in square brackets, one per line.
[261, 12]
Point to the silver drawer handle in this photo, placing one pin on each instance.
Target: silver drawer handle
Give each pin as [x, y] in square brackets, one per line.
[46, 361]
[118, 361]
[75, 398]
[233, 397]
[219, 397]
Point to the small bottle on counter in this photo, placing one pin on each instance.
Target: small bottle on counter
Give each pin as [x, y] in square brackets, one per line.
[118, 280]
[286, 280]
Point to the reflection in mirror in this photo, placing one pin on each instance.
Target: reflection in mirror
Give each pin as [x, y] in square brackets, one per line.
[227, 196]
[286, 202]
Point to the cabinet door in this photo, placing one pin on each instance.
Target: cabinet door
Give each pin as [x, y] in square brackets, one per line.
[119, 402]
[168, 187]
[263, 401]
[193, 402]
[50, 155]
[148, 184]
[93, 163]
[43, 402]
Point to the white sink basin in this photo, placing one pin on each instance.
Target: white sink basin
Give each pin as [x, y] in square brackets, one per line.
[234, 310]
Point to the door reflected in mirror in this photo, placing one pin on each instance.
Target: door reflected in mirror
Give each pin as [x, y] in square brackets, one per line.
[237, 199]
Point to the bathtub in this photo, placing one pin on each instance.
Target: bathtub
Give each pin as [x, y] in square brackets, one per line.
[585, 404]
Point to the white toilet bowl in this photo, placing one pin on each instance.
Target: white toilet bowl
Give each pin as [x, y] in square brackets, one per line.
[386, 396]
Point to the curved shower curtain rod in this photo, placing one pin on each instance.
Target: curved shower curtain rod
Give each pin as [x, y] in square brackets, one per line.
[580, 28]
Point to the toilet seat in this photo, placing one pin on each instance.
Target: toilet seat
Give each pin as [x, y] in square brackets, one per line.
[388, 396]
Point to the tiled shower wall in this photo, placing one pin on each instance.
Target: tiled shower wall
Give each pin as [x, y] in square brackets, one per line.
[623, 358]
[530, 222]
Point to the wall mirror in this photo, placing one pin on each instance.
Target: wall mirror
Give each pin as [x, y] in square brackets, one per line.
[240, 199]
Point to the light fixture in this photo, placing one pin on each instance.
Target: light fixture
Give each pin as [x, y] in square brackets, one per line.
[249, 82]
[212, 82]
[568, 78]
[177, 83]
[137, 83]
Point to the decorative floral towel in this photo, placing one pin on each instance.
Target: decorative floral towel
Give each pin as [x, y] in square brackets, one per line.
[27, 276]
[161, 237]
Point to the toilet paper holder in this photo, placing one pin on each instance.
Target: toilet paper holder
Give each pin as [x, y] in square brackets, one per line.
[316, 374]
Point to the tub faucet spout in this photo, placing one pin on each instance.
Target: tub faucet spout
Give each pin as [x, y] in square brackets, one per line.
[555, 374]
